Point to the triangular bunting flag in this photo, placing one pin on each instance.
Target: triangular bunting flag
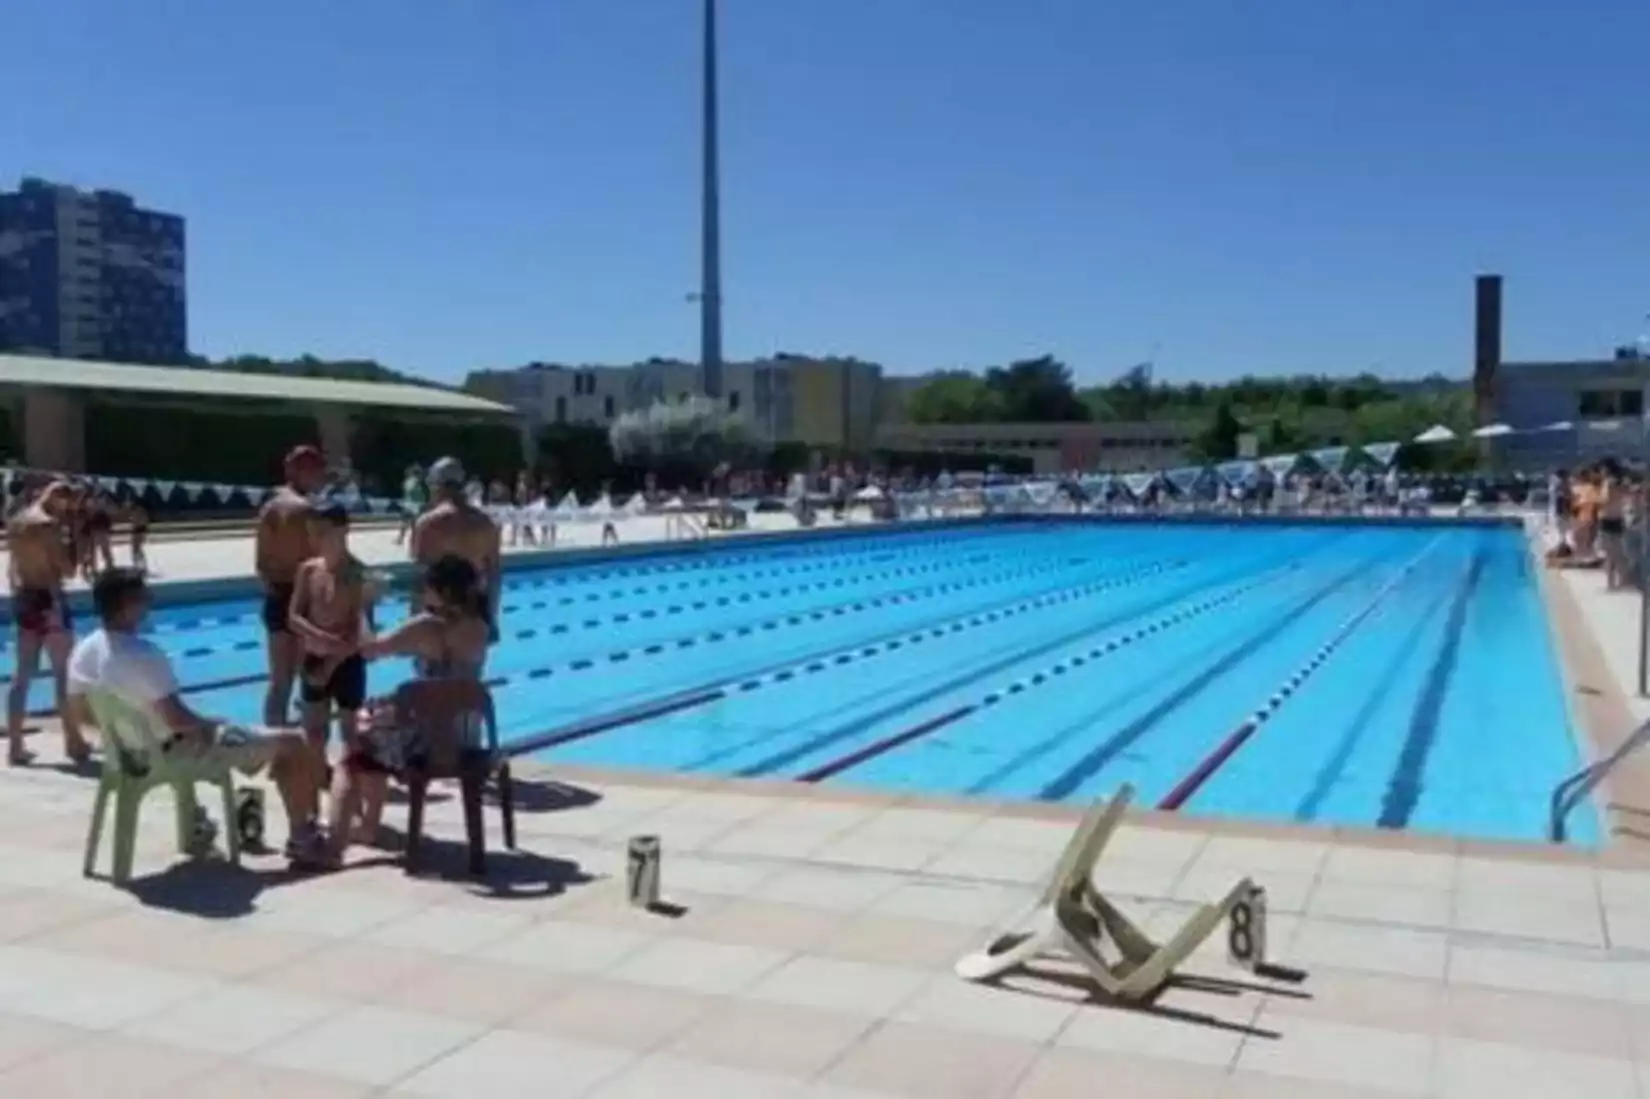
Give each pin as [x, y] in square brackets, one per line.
[1279, 464]
[138, 485]
[1331, 458]
[191, 489]
[1383, 453]
[165, 488]
[1184, 479]
[1235, 473]
[1138, 483]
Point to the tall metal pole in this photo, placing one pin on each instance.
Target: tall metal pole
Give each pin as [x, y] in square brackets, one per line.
[710, 275]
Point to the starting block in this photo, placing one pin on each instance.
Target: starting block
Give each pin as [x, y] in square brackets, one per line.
[1073, 918]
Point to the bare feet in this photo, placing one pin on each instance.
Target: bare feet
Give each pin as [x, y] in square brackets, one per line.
[19, 756]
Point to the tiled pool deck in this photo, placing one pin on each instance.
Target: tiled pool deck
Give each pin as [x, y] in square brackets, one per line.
[812, 958]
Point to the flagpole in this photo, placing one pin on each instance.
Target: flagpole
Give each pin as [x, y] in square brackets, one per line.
[710, 226]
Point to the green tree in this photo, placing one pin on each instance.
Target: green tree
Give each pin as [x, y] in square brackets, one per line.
[1218, 441]
[955, 397]
[1036, 391]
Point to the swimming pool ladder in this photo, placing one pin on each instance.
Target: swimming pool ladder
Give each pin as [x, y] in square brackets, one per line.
[1574, 790]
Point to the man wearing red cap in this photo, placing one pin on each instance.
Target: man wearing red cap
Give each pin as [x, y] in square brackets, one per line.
[282, 545]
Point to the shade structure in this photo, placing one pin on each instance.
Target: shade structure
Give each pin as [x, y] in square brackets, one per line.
[1492, 431]
[1437, 433]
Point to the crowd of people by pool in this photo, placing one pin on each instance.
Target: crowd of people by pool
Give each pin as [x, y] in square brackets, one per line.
[320, 633]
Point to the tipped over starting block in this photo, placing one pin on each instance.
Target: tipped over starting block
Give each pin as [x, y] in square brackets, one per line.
[1073, 918]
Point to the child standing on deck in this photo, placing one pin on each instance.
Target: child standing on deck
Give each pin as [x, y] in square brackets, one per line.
[329, 613]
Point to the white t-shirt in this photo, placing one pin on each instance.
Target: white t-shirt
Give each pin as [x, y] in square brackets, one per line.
[131, 667]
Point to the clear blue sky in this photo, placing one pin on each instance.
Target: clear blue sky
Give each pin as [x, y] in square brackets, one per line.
[1256, 185]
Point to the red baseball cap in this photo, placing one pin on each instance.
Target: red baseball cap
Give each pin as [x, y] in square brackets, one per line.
[305, 455]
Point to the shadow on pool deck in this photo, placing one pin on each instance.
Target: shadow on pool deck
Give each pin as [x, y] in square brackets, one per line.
[214, 889]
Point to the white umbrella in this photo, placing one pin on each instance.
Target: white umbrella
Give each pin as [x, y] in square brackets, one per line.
[1492, 431]
[869, 492]
[1557, 425]
[672, 504]
[1437, 433]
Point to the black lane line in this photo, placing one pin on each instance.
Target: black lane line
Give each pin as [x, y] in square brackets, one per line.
[878, 747]
[1403, 788]
[1379, 694]
[635, 715]
[1080, 772]
[785, 670]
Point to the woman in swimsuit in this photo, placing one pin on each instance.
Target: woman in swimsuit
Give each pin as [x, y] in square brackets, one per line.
[447, 640]
[1612, 524]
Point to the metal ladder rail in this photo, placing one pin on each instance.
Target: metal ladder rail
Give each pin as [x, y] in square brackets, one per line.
[1573, 790]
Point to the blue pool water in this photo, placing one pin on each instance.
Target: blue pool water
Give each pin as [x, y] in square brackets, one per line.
[1399, 677]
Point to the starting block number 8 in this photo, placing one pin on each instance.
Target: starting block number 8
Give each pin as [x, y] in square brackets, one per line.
[1246, 930]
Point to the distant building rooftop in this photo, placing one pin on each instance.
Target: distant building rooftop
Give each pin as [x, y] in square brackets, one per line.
[33, 371]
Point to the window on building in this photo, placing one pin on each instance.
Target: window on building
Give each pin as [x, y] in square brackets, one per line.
[1603, 404]
[733, 400]
[561, 410]
[607, 406]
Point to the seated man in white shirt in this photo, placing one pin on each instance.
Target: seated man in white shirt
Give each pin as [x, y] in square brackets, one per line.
[116, 659]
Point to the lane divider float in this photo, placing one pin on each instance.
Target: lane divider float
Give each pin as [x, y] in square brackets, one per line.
[1059, 668]
[807, 665]
[906, 546]
[1234, 740]
[580, 664]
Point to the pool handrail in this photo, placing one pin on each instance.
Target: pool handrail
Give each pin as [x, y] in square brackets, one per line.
[1573, 790]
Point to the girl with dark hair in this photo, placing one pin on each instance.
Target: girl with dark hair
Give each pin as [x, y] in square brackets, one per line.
[446, 640]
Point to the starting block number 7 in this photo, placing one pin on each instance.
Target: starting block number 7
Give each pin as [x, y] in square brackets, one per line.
[1246, 930]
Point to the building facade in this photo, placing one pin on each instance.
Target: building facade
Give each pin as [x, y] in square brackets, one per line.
[91, 275]
[1603, 401]
[1114, 447]
[765, 393]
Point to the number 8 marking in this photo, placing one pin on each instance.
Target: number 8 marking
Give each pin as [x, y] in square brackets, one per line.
[1239, 939]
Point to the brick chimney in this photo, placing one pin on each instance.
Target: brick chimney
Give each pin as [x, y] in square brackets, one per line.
[1486, 346]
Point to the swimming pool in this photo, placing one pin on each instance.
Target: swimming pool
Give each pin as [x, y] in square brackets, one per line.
[1388, 676]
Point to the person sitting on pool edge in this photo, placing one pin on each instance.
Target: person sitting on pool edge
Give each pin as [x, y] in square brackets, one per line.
[447, 640]
[117, 659]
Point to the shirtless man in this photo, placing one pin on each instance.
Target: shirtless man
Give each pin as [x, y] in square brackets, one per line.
[328, 616]
[39, 563]
[453, 525]
[283, 545]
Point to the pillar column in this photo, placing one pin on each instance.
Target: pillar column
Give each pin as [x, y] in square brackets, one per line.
[332, 425]
[54, 430]
[529, 444]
